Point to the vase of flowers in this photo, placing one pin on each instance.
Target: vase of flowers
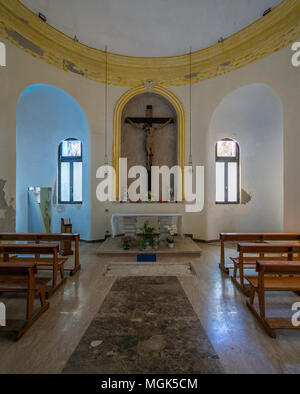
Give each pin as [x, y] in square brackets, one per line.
[172, 230]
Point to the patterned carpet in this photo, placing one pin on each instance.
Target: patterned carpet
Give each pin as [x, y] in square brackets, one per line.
[145, 325]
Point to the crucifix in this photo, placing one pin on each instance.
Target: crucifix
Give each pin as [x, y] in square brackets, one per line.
[146, 124]
[149, 130]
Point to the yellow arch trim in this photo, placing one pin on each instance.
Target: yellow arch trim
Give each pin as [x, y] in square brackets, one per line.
[267, 35]
[124, 99]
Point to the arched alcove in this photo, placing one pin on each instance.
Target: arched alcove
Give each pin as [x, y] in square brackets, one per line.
[46, 116]
[252, 116]
[133, 139]
[175, 107]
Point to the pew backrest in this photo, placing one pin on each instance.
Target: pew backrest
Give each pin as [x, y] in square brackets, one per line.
[35, 237]
[268, 248]
[260, 237]
[278, 267]
[29, 249]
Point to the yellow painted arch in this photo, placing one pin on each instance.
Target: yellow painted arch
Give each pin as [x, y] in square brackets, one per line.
[181, 126]
[262, 38]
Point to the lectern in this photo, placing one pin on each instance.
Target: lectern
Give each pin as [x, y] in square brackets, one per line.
[66, 246]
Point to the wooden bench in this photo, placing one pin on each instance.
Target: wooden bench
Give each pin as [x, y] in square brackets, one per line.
[264, 283]
[252, 237]
[276, 252]
[20, 278]
[11, 252]
[38, 238]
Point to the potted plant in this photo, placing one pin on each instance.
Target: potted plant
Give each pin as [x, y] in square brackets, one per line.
[172, 230]
[127, 243]
[148, 237]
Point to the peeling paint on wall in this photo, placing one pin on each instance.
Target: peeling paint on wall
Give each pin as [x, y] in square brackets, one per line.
[7, 212]
[26, 44]
[24, 21]
[71, 67]
[246, 197]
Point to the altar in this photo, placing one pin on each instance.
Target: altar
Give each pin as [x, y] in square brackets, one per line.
[130, 221]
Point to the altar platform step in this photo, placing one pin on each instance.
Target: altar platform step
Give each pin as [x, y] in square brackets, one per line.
[183, 247]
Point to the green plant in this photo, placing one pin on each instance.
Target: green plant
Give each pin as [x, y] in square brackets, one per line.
[147, 237]
[146, 229]
[143, 243]
[127, 243]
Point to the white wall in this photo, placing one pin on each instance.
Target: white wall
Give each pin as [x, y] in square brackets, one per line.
[252, 115]
[275, 71]
[45, 117]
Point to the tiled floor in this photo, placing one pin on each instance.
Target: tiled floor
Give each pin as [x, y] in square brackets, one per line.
[237, 338]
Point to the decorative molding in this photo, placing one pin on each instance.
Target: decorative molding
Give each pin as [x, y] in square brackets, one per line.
[262, 38]
[117, 125]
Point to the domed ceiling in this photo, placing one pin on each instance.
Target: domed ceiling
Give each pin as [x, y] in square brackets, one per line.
[149, 40]
[152, 28]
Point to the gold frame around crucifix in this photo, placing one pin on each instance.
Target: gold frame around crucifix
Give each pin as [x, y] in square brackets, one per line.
[124, 99]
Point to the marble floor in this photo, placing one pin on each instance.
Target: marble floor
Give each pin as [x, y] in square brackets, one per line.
[237, 338]
[145, 325]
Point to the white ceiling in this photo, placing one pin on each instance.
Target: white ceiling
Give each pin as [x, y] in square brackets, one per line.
[150, 27]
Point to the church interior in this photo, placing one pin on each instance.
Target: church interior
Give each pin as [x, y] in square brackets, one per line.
[136, 234]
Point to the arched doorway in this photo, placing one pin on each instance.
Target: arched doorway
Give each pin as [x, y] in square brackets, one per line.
[47, 116]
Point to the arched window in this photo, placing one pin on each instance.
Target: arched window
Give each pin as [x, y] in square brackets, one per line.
[70, 172]
[227, 172]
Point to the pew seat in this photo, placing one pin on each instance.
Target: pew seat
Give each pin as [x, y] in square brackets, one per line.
[267, 252]
[40, 238]
[273, 276]
[276, 283]
[17, 284]
[254, 238]
[10, 253]
[21, 278]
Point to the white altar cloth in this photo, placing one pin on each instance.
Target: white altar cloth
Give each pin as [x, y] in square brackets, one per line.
[116, 216]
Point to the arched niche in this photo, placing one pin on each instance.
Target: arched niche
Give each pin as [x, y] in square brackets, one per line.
[252, 116]
[164, 140]
[46, 116]
[165, 103]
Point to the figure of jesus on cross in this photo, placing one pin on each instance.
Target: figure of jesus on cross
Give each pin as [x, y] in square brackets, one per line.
[149, 130]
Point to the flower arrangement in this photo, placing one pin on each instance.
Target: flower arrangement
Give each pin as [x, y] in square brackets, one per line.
[172, 230]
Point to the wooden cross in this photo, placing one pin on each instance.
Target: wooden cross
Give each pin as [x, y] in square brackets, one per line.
[149, 120]
[148, 128]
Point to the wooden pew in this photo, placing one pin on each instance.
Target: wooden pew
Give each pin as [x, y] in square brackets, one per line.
[20, 278]
[252, 237]
[280, 252]
[264, 283]
[54, 264]
[38, 238]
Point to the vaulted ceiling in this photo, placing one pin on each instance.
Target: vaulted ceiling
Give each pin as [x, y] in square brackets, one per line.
[150, 27]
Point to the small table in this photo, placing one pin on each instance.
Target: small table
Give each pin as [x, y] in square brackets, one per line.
[116, 216]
